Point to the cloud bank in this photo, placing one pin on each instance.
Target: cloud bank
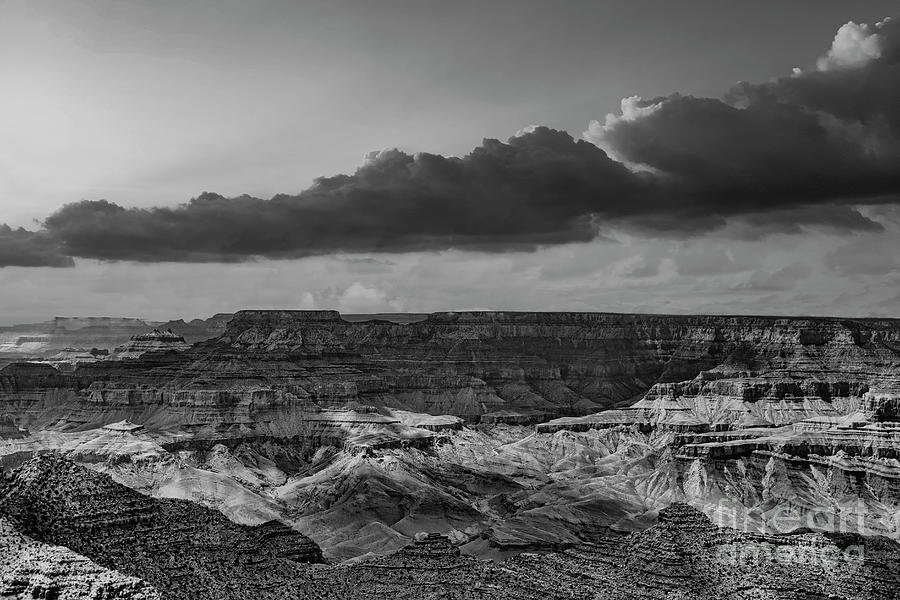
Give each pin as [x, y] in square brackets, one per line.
[800, 151]
[829, 135]
[539, 188]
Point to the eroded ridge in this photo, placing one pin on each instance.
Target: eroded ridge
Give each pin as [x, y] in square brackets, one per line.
[179, 547]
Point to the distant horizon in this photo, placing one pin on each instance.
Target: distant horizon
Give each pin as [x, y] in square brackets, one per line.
[356, 317]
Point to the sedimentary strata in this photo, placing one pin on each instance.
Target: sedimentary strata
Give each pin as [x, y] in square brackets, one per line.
[511, 367]
[154, 341]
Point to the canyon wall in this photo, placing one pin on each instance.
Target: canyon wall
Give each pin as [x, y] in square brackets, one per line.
[507, 432]
[497, 367]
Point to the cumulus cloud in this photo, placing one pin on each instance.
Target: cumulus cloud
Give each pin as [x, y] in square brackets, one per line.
[801, 151]
[360, 298]
[826, 136]
[858, 43]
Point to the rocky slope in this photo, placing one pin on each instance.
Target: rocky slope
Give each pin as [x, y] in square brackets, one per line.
[494, 490]
[498, 489]
[682, 556]
[179, 547]
[30, 569]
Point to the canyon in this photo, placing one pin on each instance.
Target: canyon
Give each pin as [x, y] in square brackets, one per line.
[573, 451]
[188, 552]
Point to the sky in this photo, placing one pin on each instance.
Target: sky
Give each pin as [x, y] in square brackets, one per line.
[174, 159]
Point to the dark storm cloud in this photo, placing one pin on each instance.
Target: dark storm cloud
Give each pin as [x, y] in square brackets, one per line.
[778, 157]
[829, 135]
[541, 187]
[21, 248]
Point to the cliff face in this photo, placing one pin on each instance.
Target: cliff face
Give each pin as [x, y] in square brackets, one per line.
[518, 367]
[553, 364]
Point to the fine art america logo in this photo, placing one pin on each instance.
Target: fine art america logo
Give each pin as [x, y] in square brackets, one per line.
[784, 534]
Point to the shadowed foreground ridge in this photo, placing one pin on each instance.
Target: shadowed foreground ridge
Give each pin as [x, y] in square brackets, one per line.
[31, 569]
[181, 548]
[683, 556]
[189, 552]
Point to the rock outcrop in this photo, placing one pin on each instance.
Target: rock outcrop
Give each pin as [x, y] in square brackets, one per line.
[198, 330]
[30, 569]
[154, 341]
[181, 548]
